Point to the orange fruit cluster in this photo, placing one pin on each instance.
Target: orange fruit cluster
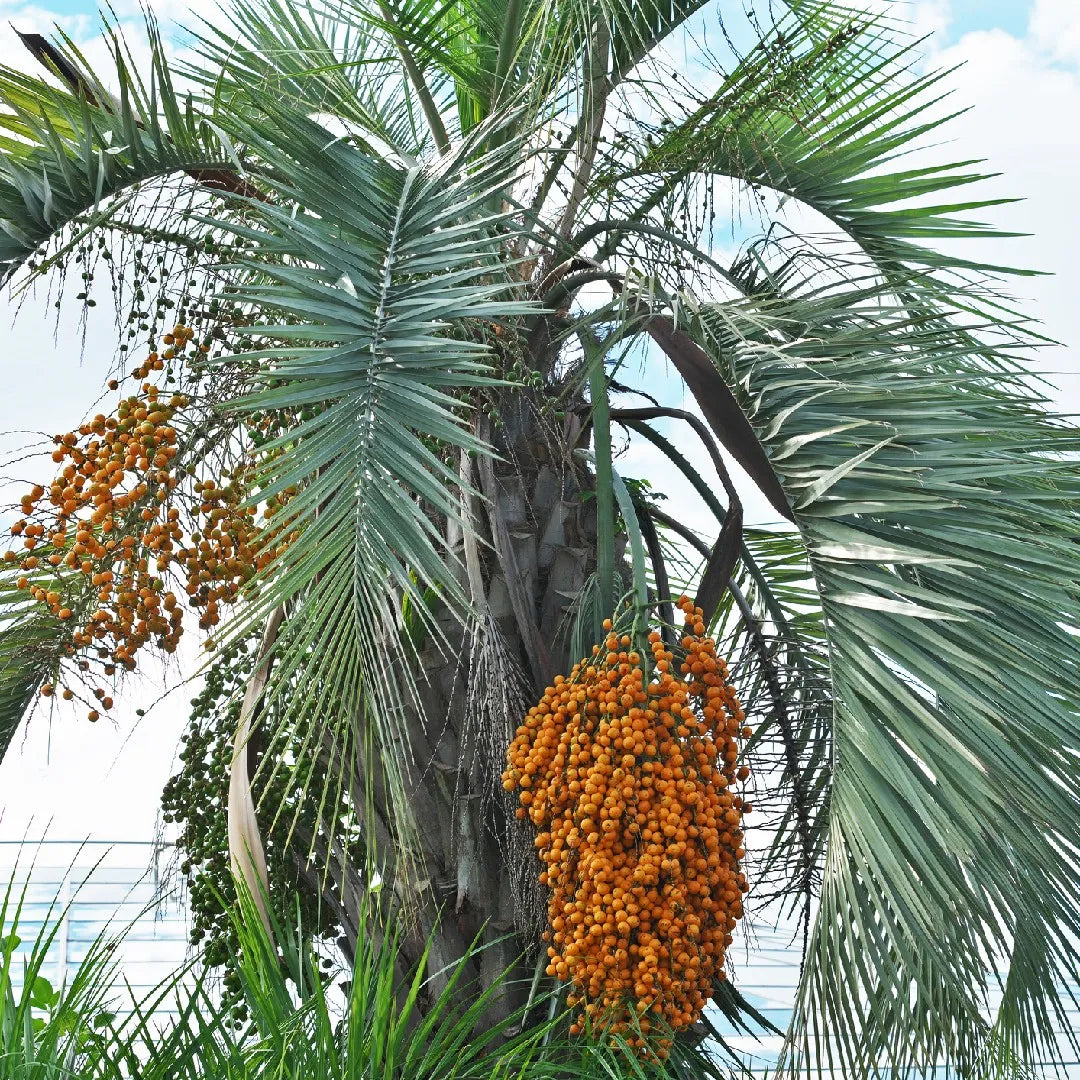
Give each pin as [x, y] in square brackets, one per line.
[630, 782]
[175, 342]
[230, 549]
[124, 516]
[105, 516]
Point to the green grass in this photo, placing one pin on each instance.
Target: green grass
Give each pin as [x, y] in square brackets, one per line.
[295, 1019]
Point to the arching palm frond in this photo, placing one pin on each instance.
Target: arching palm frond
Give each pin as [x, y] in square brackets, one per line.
[936, 501]
[833, 137]
[77, 151]
[333, 68]
[27, 658]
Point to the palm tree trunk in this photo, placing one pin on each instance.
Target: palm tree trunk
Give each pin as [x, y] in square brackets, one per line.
[473, 876]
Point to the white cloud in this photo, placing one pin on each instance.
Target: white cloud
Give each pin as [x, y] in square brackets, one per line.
[1055, 30]
[928, 17]
[1024, 95]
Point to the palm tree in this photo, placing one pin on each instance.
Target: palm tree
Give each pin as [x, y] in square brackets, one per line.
[423, 244]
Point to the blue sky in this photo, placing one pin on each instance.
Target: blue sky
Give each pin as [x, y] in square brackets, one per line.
[968, 15]
[965, 16]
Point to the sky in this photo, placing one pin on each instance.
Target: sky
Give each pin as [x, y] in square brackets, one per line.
[1017, 65]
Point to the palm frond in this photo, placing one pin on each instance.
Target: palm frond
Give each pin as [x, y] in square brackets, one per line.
[918, 697]
[374, 299]
[29, 656]
[937, 502]
[823, 115]
[330, 64]
[78, 152]
[784, 676]
[20, 679]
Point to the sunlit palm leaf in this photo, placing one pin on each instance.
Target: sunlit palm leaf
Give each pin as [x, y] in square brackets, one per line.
[295, 52]
[823, 114]
[23, 667]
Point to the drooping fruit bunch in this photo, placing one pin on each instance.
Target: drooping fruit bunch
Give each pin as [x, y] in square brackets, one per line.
[126, 528]
[630, 781]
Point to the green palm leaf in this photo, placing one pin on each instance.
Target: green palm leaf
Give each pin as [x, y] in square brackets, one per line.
[368, 290]
[824, 114]
[937, 503]
[22, 668]
[76, 152]
[332, 68]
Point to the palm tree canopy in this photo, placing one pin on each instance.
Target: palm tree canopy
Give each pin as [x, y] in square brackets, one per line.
[391, 211]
